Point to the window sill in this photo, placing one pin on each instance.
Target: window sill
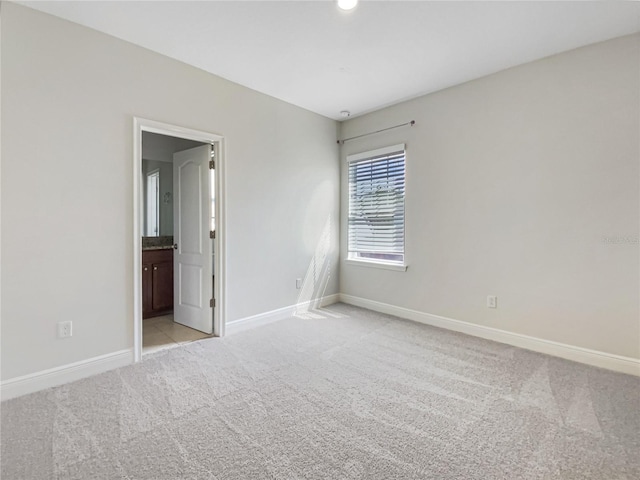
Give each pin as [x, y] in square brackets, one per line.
[370, 264]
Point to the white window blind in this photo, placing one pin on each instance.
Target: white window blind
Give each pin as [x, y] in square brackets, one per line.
[376, 205]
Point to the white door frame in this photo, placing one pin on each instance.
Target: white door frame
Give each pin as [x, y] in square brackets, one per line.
[219, 311]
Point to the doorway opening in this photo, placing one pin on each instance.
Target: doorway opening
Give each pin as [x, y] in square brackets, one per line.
[178, 236]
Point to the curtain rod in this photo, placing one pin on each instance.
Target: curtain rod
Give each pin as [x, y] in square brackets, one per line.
[411, 123]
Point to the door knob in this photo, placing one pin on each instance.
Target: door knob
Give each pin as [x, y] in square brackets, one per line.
[175, 246]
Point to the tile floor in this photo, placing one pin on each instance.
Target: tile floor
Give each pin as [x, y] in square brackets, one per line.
[162, 332]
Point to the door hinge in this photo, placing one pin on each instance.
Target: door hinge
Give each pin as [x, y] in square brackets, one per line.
[212, 234]
[212, 164]
[212, 302]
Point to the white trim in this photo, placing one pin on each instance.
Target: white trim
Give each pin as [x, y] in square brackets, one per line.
[220, 242]
[378, 152]
[596, 358]
[16, 387]
[265, 318]
[138, 215]
[175, 131]
[373, 264]
[219, 311]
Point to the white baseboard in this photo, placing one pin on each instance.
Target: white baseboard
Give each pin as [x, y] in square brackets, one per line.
[278, 314]
[16, 387]
[52, 377]
[570, 352]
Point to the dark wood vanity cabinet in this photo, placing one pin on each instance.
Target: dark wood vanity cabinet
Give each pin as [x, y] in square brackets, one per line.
[157, 282]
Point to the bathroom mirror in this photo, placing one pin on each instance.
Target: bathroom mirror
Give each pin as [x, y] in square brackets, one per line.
[157, 186]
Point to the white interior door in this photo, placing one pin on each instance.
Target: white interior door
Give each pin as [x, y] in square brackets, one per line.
[192, 289]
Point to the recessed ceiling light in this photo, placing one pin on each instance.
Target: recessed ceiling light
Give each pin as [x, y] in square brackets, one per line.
[347, 4]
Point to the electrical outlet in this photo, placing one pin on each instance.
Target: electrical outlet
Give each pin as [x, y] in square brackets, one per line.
[298, 283]
[492, 301]
[65, 329]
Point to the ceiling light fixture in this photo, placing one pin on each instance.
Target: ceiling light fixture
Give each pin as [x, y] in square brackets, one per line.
[345, 113]
[347, 4]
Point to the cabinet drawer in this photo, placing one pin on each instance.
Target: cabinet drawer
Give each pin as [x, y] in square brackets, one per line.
[157, 256]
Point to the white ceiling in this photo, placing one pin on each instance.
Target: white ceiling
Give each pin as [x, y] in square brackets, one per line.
[313, 55]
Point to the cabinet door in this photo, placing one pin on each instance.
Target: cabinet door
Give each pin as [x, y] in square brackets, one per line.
[146, 290]
[162, 286]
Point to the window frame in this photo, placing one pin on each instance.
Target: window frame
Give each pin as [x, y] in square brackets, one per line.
[155, 214]
[369, 262]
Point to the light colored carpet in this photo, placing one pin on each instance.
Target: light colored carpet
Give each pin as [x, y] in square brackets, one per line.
[342, 394]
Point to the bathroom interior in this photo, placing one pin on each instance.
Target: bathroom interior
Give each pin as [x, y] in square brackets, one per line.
[159, 327]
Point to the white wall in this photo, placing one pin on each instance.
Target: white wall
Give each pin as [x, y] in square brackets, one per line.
[69, 95]
[525, 185]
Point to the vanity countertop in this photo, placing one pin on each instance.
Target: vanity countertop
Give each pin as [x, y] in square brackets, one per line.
[157, 247]
[157, 243]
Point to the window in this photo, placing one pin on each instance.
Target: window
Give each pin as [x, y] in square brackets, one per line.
[153, 203]
[376, 206]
